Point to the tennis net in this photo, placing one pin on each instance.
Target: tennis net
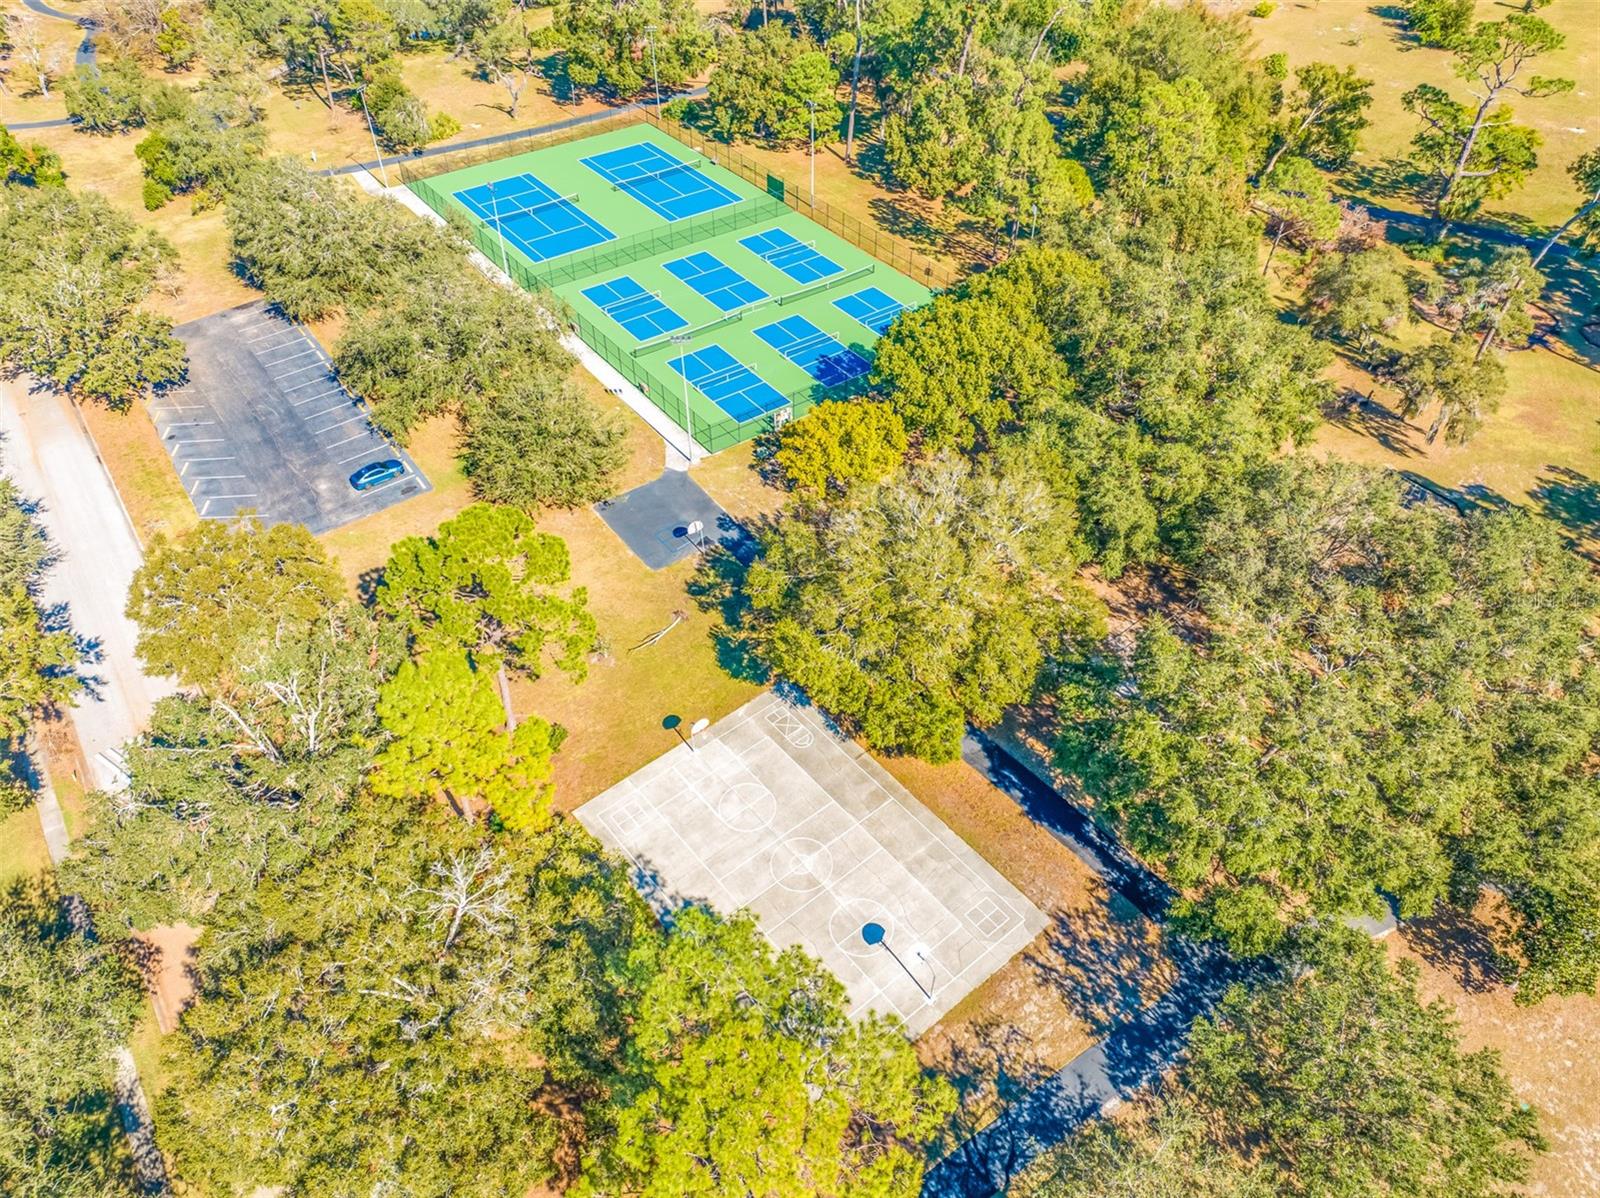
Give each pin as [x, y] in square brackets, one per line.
[500, 215]
[633, 181]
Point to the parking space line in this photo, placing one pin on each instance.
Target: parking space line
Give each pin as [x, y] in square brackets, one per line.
[293, 336]
[196, 440]
[275, 329]
[318, 365]
[346, 441]
[307, 383]
[161, 409]
[385, 486]
[336, 407]
[317, 432]
[187, 462]
[189, 423]
[295, 403]
[355, 457]
[281, 361]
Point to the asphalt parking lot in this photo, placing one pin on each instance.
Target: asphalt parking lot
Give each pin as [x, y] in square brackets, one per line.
[262, 424]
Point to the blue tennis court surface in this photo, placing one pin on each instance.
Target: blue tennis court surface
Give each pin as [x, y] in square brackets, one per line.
[539, 222]
[719, 283]
[635, 309]
[668, 186]
[729, 383]
[874, 308]
[801, 262]
[815, 352]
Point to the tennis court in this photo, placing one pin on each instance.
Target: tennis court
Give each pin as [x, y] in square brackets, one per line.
[800, 260]
[718, 282]
[815, 352]
[638, 311]
[707, 290]
[872, 308]
[672, 187]
[729, 383]
[534, 218]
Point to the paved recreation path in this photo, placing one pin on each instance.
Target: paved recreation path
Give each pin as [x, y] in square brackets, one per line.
[83, 56]
[50, 456]
[1132, 1055]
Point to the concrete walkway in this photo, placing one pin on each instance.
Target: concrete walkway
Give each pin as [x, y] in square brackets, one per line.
[49, 454]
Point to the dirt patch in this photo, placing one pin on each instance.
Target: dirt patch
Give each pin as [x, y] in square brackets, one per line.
[169, 970]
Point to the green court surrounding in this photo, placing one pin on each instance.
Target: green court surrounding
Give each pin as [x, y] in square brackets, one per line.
[727, 308]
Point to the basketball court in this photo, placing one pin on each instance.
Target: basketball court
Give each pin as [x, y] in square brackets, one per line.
[770, 809]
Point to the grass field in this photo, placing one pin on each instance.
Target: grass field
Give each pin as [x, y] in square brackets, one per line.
[1363, 35]
[559, 168]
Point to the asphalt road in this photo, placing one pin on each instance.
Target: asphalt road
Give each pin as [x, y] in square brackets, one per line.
[50, 457]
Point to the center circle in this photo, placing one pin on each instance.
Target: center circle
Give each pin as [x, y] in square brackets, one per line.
[845, 925]
[802, 863]
[747, 806]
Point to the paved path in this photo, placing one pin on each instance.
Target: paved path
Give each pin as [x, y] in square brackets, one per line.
[571, 122]
[49, 454]
[83, 56]
[1129, 1058]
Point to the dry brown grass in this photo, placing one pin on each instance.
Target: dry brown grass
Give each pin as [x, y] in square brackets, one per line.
[1548, 1050]
[131, 448]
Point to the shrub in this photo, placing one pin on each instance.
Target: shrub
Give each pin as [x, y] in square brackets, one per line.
[1264, 9]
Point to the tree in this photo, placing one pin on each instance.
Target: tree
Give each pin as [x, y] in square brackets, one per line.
[744, 1065]
[1449, 373]
[400, 116]
[1491, 298]
[912, 607]
[1354, 297]
[767, 84]
[1294, 199]
[176, 42]
[69, 1000]
[319, 1033]
[1315, 745]
[32, 165]
[37, 655]
[486, 583]
[451, 345]
[1349, 1084]
[836, 446]
[962, 368]
[1160, 142]
[1323, 118]
[542, 443]
[42, 58]
[73, 273]
[611, 46]
[509, 53]
[1162, 1148]
[118, 97]
[1585, 172]
[449, 741]
[232, 796]
[1440, 23]
[1476, 153]
[209, 599]
[315, 247]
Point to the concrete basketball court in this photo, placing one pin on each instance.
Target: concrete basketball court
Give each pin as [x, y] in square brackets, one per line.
[771, 810]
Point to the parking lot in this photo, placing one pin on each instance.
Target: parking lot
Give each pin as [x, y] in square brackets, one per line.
[262, 424]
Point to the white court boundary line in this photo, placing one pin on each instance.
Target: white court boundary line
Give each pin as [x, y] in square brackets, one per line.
[637, 801]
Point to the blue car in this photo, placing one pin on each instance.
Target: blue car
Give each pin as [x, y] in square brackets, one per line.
[375, 474]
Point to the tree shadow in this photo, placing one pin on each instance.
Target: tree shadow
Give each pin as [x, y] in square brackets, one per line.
[1102, 962]
[992, 1065]
[1368, 416]
[1459, 944]
[1390, 178]
[719, 585]
[1572, 498]
[1473, 497]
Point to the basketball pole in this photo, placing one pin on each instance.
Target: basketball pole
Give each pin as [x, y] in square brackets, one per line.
[873, 933]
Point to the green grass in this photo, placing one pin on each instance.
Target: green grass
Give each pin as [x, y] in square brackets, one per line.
[1362, 35]
[560, 169]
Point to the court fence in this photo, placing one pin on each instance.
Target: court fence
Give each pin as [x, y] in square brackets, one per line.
[673, 400]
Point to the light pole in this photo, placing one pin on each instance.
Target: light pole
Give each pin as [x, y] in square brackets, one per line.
[680, 340]
[812, 104]
[654, 74]
[494, 209]
[366, 112]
